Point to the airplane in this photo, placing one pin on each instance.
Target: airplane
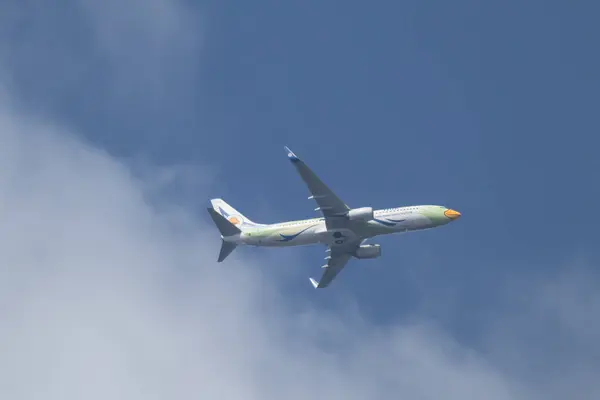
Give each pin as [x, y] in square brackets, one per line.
[342, 229]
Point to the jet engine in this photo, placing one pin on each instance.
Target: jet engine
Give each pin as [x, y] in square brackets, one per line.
[361, 214]
[368, 251]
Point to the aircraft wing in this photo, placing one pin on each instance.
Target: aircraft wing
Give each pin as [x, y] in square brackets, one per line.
[337, 260]
[329, 204]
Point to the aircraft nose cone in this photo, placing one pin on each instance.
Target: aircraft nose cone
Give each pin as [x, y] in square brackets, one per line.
[452, 214]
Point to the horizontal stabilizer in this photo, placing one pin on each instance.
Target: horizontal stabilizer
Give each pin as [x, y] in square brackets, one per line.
[226, 249]
[225, 227]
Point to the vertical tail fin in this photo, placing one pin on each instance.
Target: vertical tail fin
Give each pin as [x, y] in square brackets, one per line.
[232, 215]
[226, 227]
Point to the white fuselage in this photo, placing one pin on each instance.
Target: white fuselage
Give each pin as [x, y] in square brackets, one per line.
[314, 230]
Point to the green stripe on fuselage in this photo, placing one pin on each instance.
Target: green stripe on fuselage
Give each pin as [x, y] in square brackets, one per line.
[435, 214]
[285, 228]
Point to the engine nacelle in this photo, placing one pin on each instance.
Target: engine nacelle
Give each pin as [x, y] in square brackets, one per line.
[361, 214]
[368, 251]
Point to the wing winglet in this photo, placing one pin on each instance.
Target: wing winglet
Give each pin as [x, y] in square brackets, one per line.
[314, 283]
[291, 155]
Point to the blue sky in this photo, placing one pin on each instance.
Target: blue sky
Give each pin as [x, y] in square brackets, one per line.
[485, 108]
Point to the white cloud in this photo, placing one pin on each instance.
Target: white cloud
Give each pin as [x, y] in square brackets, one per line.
[103, 296]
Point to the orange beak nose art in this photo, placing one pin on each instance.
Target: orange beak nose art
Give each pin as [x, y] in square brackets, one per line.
[452, 214]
